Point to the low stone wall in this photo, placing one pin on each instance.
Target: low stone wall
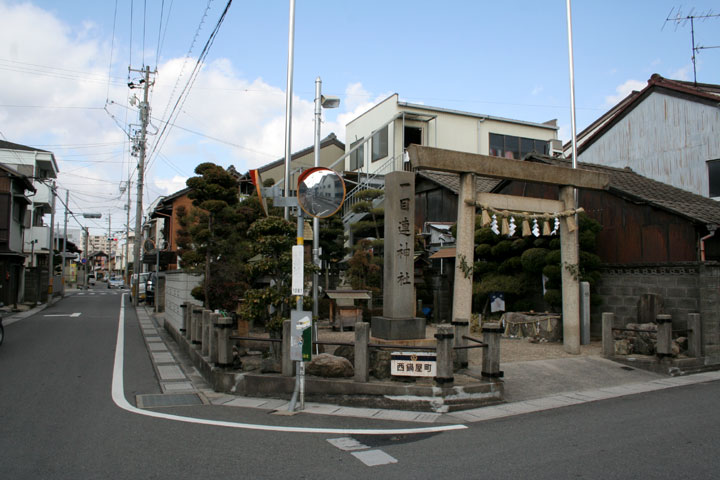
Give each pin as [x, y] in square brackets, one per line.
[688, 287]
[178, 286]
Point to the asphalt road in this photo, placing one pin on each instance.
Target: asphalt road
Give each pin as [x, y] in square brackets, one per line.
[58, 420]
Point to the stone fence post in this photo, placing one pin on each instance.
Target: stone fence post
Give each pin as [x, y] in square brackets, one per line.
[286, 362]
[664, 335]
[195, 321]
[205, 332]
[223, 329]
[608, 339]
[362, 352]
[185, 318]
[462, 328]
[694, 335]
[491, 353]
[212, 337]
[444, 337]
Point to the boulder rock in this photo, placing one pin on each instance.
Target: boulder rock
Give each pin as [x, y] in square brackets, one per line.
[326, 365]
[622, 347]
[270, 365]
[380, 364]
[346, 351]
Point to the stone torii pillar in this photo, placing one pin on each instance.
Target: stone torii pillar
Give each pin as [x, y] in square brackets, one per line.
[468, 164]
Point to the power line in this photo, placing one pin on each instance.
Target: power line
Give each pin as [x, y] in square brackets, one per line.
[193, 76]
[112, 49]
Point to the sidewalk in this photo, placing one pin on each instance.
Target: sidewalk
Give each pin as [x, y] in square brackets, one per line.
[549, 379]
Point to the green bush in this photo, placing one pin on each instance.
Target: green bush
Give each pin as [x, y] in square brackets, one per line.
[552, 272]
[511, 265]
[553, 297]
[485, 235]
[553, 257]
[555, 244]
[533, 259]
[483, 250]
[502, 249]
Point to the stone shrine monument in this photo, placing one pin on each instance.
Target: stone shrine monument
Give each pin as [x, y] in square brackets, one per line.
[397, 321]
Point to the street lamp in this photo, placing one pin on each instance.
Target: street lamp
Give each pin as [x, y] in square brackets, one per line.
[321, 102]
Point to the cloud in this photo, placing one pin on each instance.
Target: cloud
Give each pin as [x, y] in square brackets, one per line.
[172, 185]
[681, 74]
[623, 91]
[536, 90]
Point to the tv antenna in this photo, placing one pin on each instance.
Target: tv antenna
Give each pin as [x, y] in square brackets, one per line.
[680, 20]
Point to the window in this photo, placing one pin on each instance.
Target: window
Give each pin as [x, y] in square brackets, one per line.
[357, 158]
[714, 177]
[380, 145]
[509, 146]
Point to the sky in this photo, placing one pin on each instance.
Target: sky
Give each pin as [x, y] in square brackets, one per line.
[64, 70]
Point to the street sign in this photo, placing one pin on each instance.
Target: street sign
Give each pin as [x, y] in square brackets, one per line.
[300, 336]
[413, 364]
[298, 262]
[83, 261]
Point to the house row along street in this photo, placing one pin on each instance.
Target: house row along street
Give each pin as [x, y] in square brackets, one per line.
[71, 374]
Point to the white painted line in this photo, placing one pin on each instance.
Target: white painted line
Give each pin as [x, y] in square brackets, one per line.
[76, 314]
[347, 444]
[118, 396]
[373, 458]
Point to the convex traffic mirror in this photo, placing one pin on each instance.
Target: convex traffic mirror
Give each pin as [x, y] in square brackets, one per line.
[321, 192]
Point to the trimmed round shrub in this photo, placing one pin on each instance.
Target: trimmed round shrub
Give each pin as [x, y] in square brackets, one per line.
[511, 265]
[552, 272]
[553, 257]
[533, 259]
[502, 249]
[483, 250]
[553, 297]
[485, 235]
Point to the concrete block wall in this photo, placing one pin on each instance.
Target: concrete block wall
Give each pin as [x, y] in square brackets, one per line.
[709, 297]
[178, 286]
[688, 287]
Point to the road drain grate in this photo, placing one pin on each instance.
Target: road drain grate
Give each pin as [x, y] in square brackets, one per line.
[168, 400]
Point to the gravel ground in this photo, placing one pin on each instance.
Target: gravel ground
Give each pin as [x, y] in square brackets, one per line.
[511, 349]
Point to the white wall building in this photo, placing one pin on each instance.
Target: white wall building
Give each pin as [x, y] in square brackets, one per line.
[40, 165]
[383, 133]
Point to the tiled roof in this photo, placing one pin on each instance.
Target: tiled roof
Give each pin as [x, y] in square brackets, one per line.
[631, 185]
[624, 183]
[4, 145]
[451, 181]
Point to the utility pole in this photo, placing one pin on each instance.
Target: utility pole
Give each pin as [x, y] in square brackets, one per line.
[51, 259]
[127, 236]
[144, 117]
[109, 244]
[64, 250]
[87, 257]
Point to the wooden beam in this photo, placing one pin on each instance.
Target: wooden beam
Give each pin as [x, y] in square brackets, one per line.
[520, 204]
[429, 158]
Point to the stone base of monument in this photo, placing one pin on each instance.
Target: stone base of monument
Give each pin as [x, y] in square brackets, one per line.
[385, 328]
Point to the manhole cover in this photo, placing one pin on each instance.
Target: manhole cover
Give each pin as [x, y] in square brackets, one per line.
[169, 400]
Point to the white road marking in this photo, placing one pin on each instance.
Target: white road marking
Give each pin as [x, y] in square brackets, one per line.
[118, 396]
[347, 444]
[373, 458]
[76, 314]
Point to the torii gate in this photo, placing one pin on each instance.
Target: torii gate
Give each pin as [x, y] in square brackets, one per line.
[470, 164]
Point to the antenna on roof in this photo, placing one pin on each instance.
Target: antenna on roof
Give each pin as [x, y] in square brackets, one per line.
[680, 20]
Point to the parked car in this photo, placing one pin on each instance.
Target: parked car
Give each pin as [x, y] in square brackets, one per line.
[91, 279]
[116, 282]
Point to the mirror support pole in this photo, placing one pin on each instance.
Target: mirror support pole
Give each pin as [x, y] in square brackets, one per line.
[316, 220]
